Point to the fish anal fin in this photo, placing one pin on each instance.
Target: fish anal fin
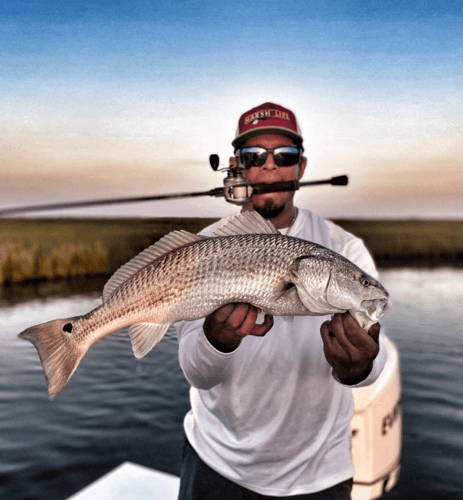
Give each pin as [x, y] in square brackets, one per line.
[144, 336]
[245, 223]
[166, 244]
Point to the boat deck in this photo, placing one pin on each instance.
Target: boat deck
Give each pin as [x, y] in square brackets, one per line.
[131, 482]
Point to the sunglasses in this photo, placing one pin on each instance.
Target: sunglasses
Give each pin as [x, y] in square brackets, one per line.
[256, 156]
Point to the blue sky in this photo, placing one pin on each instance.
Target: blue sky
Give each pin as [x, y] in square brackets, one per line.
[101, 99]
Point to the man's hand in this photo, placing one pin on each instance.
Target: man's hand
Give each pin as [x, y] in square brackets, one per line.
[348, 348]
[226, 327]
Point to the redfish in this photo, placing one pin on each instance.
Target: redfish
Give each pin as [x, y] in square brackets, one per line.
[185, 276]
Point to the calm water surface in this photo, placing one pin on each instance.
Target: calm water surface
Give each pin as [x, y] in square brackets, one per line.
[117, 408]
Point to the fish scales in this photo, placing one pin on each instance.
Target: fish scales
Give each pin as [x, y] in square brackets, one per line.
[195, 280]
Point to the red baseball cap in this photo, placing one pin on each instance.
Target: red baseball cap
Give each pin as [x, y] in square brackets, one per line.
[267, 118]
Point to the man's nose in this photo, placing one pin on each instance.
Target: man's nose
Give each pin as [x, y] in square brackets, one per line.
[269, 161]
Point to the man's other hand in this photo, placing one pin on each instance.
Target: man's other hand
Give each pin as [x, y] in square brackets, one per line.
[348, 348]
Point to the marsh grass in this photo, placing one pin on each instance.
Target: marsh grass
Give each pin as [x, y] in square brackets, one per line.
[33, 250]
[412, 243]
[51, 249]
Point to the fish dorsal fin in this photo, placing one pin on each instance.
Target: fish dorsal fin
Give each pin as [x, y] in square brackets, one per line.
[144, 336]
[166, 244]
[246, 223]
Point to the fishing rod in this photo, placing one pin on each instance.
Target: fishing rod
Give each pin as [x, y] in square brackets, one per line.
[237, 190]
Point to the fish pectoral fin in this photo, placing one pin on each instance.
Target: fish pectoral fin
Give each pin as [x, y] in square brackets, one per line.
[288, 290]
[294, 291]
[144, 336]
[246, 223]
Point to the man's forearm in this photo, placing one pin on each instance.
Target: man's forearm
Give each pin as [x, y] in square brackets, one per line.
[203, 365]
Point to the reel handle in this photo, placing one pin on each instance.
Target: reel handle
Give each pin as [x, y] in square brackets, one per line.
[214, 161]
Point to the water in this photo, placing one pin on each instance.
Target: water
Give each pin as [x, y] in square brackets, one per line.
[426, 323]
[117, 408]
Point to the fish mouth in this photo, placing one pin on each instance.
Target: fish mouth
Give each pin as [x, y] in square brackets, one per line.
[375, 309]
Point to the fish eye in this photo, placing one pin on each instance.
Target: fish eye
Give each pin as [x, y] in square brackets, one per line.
[365, 282]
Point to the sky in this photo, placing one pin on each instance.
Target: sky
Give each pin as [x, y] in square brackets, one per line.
[104, 99]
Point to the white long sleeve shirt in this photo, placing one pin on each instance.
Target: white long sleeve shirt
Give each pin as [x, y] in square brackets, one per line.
[269, 415]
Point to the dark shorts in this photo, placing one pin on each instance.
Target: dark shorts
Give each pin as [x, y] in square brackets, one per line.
[200, 482]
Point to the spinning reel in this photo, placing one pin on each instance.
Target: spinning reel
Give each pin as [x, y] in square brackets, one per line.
[238, 190]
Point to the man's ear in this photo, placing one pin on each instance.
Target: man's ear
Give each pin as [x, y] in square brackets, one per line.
[302, 167]
[233, 161]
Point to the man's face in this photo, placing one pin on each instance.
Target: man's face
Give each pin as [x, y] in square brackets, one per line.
[270, 205]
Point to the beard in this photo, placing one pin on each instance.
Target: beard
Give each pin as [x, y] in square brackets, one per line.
[270, 210]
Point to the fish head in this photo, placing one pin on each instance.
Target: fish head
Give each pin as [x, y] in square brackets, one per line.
[328, 283]
[358, 292]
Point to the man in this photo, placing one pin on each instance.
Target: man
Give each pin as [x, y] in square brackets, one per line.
[271, 402]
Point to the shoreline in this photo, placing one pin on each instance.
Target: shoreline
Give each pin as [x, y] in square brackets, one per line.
[46, 251]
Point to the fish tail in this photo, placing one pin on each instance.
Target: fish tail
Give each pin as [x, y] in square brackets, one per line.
[59, 353]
